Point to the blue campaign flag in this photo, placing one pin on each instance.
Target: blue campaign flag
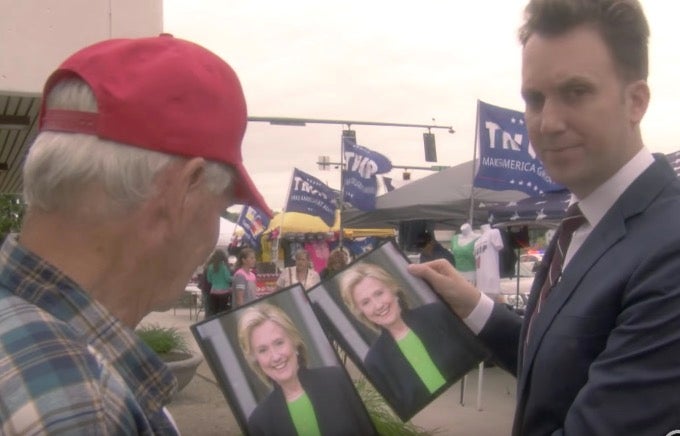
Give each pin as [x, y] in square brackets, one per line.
[359, 182]
[311, 196]
[506, 158]
[254, 222]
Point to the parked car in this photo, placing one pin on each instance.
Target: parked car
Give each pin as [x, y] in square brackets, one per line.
[528, 264]
[515, 291]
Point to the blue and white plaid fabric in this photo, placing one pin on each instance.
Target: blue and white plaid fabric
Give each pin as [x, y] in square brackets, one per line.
[67, 366]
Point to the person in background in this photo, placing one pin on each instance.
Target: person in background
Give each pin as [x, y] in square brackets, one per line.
[301, 273]
[304, 401]
[337, 260]
[431, 249]
[204, 285]
[244, 281]
[138, 153]
[219, 277]
[598, 350]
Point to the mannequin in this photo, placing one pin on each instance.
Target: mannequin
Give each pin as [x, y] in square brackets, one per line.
[487, 247]
[463, 249]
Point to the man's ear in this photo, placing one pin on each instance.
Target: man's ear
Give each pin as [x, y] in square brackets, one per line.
[181, 188]
[638, 95]
[194, 173]
[191, 186]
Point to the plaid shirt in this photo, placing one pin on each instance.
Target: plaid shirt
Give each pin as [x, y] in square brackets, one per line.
[67, 366]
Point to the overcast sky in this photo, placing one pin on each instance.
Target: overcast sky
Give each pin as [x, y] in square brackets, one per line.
[384, 62]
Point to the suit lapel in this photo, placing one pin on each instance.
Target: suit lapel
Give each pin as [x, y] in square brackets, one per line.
[606, 234]
[534, 293]
[609, 230]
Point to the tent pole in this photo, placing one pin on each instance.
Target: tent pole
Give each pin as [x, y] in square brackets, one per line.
[275, 248]
[341, 200]
[474, 165]
[517, 291]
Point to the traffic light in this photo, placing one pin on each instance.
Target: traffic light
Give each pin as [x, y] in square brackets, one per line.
[430, 147]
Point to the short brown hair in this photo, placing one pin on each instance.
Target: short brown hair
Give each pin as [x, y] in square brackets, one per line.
[622, 24]
[242, 255]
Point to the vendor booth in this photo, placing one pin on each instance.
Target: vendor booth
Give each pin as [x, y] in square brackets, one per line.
[293, 230]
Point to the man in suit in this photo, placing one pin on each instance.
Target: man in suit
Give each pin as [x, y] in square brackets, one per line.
[598, 351]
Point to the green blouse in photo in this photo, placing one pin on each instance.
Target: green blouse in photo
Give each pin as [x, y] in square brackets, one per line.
[304, 418]
[416, 354]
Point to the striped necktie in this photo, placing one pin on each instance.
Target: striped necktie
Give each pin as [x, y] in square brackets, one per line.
[572, 221]
[569, 224]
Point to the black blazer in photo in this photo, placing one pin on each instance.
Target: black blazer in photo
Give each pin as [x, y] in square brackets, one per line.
[339, 410]
[453, 349]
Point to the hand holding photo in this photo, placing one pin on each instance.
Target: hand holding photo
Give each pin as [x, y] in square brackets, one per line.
[408, 343]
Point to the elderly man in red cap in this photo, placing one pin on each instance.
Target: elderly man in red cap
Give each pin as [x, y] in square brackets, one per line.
[139, 152]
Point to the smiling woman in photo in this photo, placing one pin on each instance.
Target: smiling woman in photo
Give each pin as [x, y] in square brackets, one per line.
[303, 401]
[417, 351]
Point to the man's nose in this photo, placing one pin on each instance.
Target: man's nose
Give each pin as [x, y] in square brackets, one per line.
[552, 116]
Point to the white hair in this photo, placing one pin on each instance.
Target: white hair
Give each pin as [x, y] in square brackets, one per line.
[59, 165]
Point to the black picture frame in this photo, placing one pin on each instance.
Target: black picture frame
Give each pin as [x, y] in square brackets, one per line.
[453, 348]
[250, 398]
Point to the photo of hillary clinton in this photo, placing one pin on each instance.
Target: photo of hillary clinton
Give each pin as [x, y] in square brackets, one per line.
[410, 348]
[302, 400]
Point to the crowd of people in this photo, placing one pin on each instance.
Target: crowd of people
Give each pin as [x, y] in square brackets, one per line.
[225, 286]
[122, 207]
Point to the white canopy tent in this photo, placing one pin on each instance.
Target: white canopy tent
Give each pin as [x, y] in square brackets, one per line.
[227, 230]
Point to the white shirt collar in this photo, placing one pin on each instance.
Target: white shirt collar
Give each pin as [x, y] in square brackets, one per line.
[596, 205]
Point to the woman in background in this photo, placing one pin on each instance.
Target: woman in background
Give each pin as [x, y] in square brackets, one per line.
[244, 282]
[337, 260]
[204, 285]
[301, 273]
[304, 401]
[218, 275]
[418, 350]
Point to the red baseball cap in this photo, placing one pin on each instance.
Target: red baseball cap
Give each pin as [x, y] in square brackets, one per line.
[160, 93]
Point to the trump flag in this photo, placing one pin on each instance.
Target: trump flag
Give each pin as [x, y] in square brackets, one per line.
[506, 158]
[254, 222]
[311, 196]
[359, 182]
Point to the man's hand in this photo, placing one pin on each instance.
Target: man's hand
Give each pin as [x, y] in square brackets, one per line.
[460, 294]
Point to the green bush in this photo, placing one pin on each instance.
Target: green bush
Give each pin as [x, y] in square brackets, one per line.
[385, 421]
[162, 339]
[11, 214]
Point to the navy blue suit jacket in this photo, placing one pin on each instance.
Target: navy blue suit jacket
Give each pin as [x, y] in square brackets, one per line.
[339, 410]
[603, 357]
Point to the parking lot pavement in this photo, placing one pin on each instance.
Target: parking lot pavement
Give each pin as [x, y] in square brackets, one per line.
[201, 409]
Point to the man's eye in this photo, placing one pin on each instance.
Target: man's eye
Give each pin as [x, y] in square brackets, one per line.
[576, 92]
[533, 100]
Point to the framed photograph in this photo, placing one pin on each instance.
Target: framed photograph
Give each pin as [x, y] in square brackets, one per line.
[396, 329]
[278, 371]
